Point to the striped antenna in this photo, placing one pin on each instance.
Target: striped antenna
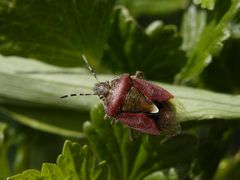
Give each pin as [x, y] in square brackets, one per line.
[93, 73]
[89, 67]
[81, 94]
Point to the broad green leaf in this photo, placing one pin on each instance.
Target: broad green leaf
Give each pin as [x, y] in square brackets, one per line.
[31, 85]
[208, 39]
[131, 159]
[209, 4]
[155, 50]
[75, 163]
[55, 31]
[46, 112]
[154, 7]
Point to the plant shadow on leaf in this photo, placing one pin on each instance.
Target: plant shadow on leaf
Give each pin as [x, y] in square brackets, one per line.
[155, 51]
[135, 159]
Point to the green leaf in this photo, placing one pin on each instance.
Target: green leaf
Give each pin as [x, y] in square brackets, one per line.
[223, 74]
[57, 121]
[28, 175]
[3, 152]
[31, 85]
[38, 104]
[157, 48]
[235, 26]
[160, 175]
[56, 31]
[28, 148]
[75, 162]
[3, 127]
[193, 24]
[131, 159]
[228, 168]
[206, 41]
[213, 145]
[154, 7]
[209, 4]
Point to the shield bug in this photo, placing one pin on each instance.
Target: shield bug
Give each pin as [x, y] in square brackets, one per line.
[137, 103]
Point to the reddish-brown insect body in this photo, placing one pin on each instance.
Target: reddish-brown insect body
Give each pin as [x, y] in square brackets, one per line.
[137, 103]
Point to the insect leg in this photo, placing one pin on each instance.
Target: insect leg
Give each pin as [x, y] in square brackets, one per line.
[131, 134]
[139, 74]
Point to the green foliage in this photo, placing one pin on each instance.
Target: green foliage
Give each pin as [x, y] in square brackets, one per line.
[226, 66]
[44, 110]
[3, 152]
[154, 7]
[209, 4]
[190, 42]
[40, 96]
[132, 160]
[214, 148]
[228, 168]
[128, 43]
[160, 175]
[75, 162]
[206, 37]
[57, 31]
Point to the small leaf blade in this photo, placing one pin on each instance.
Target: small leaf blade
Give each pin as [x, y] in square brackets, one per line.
[209, 4]
[209, 41]
[75, 162]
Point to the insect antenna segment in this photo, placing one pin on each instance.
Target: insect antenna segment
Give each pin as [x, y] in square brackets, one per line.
[80, 94]
[93, 73]
[89, 67]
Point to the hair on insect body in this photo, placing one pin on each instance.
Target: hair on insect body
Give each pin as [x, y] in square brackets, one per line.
[137, 103]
